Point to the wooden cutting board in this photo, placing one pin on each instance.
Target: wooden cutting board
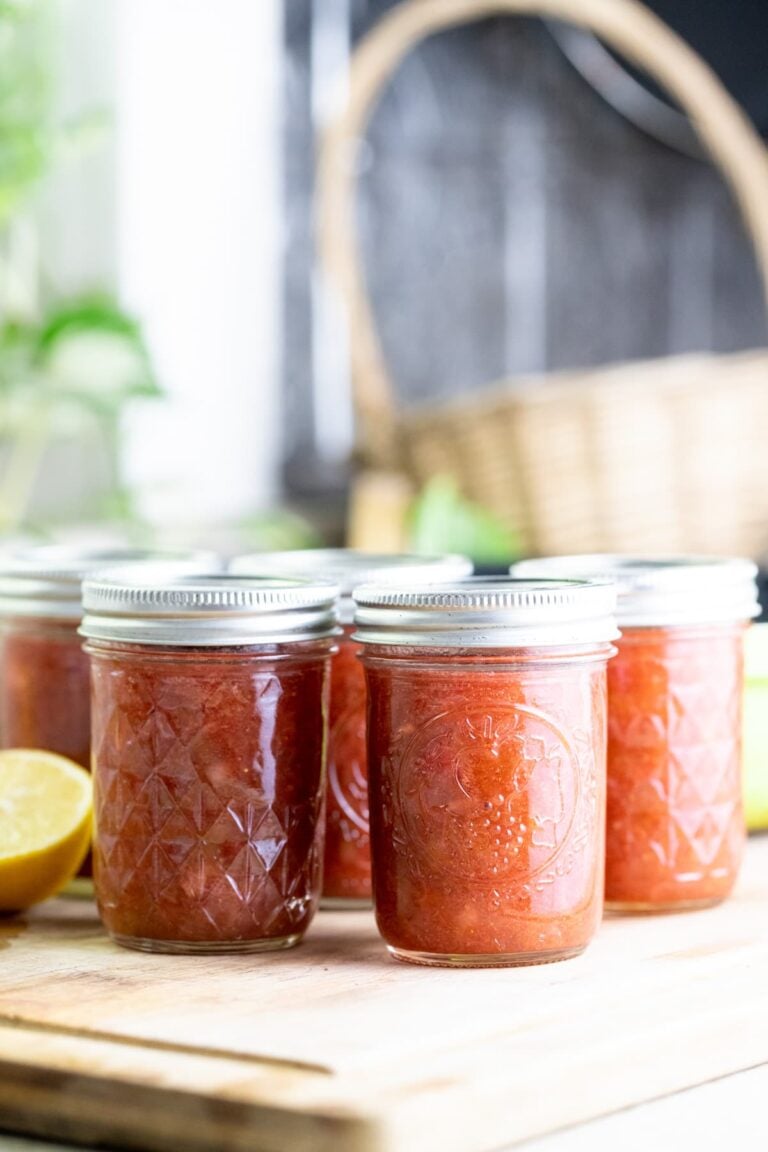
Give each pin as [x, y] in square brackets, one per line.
[335, 1048]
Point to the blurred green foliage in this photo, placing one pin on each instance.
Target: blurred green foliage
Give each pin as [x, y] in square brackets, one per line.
[442, 520]
[278, 531]
[68, 368]
[69, 374]
[82, 356]
[26, 134]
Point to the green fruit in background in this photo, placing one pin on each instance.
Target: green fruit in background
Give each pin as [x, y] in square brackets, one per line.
[756, 728]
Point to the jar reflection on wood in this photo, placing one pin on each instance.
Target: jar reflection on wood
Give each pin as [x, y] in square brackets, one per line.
[675, 829]
[347, 864]
[486, 747]
[210, 711]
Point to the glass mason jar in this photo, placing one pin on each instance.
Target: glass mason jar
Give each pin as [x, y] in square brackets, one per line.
[486, 759]
[347, 864]
[44, 674]
[210, 716]
[675, 828]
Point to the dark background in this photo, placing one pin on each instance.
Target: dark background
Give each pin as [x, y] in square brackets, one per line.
[512, 220]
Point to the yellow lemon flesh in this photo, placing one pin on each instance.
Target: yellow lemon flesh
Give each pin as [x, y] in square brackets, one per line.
[45, 825]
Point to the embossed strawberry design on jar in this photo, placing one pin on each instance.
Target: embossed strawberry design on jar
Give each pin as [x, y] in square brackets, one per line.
[486, 755]
[511, 793]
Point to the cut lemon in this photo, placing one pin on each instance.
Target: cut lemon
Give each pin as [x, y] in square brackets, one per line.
[45, 825]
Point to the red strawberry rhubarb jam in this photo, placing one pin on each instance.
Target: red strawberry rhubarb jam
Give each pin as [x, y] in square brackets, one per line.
[45, 688]
[487, 768]
[675, 829]
[347, 863]
[44, 673]
[209, 759]
[675, 822]
[347, 868]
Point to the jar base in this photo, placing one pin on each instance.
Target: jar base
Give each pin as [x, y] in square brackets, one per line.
[345, 903]
[204, 947]
[663, 908]
[482, 960]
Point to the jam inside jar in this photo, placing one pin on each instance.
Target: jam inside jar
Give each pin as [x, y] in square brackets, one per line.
[487, 790]
[675, 829]
[209, 761]
[208, 795]
[675, 823]
[45, 688]
[44, 673]
[347, 859]
[347, 863]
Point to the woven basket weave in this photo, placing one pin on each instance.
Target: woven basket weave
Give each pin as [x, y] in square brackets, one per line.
[666, 454]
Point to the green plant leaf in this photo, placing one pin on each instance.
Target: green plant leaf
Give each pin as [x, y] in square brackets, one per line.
[92, 350]
[442, 520]
[91, 313]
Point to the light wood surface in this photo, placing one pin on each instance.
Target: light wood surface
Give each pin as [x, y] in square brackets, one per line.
[709, 1117]
[726, 1113]
[334, 1046]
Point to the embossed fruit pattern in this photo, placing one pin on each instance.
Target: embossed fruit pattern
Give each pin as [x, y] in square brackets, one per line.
[208, 794]
[674, 829]
[347, 868]
[505, 805]
[487, 789]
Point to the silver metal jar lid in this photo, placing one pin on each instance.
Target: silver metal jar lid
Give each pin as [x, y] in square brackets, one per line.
[663, 591]
[349, 568]
[488, 612]
[156, 607]
[46, 581]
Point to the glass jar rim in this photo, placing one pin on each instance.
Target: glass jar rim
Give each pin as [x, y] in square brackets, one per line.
[662, 590]
[151, 605]
[349, 567]
[46, 581]
[487, 612]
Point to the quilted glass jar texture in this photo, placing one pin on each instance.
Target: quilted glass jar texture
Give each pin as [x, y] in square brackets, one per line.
[675, 829]
[44, 673]
[209, 732]
[208, 795]
[675, 825]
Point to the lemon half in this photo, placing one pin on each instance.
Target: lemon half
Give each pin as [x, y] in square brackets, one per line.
[45, 825]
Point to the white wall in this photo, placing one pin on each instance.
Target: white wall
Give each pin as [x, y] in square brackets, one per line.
[199, 242]
[78, 221]
[179, 210]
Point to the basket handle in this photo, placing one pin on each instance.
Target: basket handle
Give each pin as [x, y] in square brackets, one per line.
[630, 29]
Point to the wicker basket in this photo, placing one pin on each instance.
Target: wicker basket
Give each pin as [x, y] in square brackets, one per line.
[657, 455]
